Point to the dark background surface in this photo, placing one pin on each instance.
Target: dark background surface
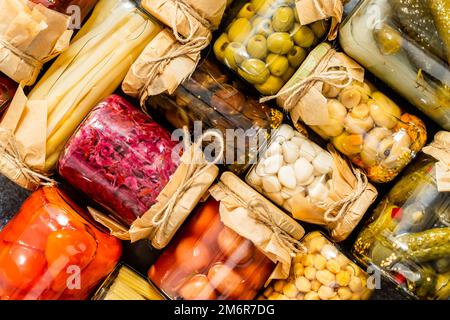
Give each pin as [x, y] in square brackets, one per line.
[140, 256]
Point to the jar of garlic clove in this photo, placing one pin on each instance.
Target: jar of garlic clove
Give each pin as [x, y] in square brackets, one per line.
[305, 180]
[330, 94]
[322, 273]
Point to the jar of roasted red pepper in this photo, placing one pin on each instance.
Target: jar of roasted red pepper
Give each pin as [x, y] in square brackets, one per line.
[48, 251]
[209, 261]
[120, 158]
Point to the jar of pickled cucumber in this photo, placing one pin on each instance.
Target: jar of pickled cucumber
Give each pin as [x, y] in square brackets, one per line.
[266, 42]
[364, 124]
[408, 237]
[49, 251]
[209, 99]
[405, 43]
[322, 273]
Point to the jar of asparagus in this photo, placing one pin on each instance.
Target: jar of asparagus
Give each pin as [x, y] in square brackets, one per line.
[405, 43]
[209, 99]
[408, 237]
[312, 184]
[322, 272]
[50, 251]
[269, 39]
[329, 93]
[124, 283]
[90, 70]
[129, 164]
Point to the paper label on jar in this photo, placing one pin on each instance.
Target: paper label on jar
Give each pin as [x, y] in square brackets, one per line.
[442, 177]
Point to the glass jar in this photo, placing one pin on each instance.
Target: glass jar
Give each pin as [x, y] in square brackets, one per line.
[360, 121]
[120, 158]
[402, 43]
[7, 90]
[126, 284]
[208, 261]
[48, 251]
[66, 6]
[265, 43]
[408, 236]
[323, 273]
[211, 100]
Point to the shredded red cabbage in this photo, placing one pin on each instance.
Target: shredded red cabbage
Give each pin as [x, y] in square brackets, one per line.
[120, 158]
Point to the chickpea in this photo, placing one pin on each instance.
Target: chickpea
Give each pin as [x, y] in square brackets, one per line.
[310, 273]
[315, 244]
[333, 266]
[356, 296]
[320, 262]
[290, 290]
[330, 91]
[312, 296]
[308, 260]
[355, 284]
[326, 277]
[298, 258]
[329, 251]
[326, 293]
[342, 260]
[343, 278]
[268, 292]
[354, 270]
[300, 296]
[299, 270]
[279, 285]
[303, 284]
[315, 285]
[344, 293]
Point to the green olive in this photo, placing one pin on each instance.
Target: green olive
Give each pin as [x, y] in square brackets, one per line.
[389, 40]
[296, 56]
[246, 12]
[257, 4]
[220, 45]
[234, 55]
[240, 30]
[319, 28]
[267, 8]
[263, 26]
[254, 71]
[304, 37]
[280, 43]
[288, 74]
[271, 86]
[257, 47]
[283, 19]
[278, 65]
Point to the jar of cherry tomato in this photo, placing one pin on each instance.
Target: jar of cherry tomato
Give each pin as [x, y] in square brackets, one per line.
[48, 251]
[209, 261]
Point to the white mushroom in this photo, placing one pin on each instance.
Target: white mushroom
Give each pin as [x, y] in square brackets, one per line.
[274, 149]
[323, 162]
[307, 151]
[254, 179]
[273, 164]
[271, 184]
[286, 176]
[290, 151]
[303, 170]
[276, 198]
[286, 132]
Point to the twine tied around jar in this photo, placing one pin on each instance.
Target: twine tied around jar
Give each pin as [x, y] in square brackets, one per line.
[9, 150]
[294, 93]
[35, 63]
[197, 166]
[260, 212]
[190, 45]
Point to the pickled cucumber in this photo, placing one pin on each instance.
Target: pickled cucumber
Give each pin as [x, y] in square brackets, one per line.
[440, 10]
[416, 20]
[427, 245]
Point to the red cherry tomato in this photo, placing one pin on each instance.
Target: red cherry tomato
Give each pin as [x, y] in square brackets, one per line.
[69, 248]
[237, 249]
[202, 220]
[20, 265]
[192, 255]
[197, 288]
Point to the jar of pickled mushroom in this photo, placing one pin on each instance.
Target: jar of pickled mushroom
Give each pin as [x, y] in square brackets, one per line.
[7, 89]
[124, 283]
[49, 251]
[120, 158]
[322, 273]
[406, 44]
[330, 94]
[305, 180]
[223, 251]
[408, 237]
[269, 39]
[211, 100]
